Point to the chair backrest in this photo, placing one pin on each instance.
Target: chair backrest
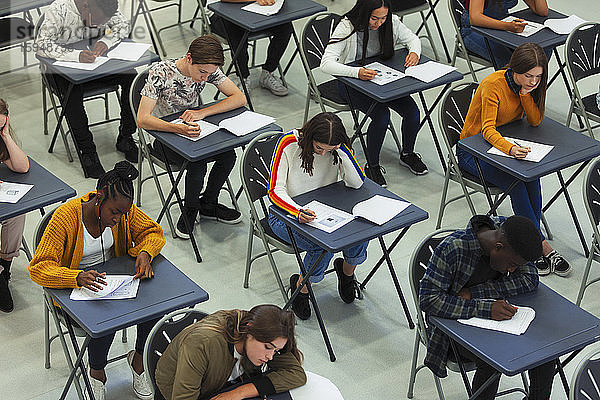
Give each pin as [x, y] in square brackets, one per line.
[315, 36]
[41, 227]
[135, 95]
[406, 7]
[456, 8]
[585, 383]
[15, 30]
[453, 110]
[582, 51]
[162, 334]
[591, 194]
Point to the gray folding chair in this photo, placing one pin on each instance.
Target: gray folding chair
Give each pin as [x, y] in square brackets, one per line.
[16, 32]
[403, 8]
[585, 384]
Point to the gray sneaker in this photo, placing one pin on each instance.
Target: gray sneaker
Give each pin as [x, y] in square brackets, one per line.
[272, 83]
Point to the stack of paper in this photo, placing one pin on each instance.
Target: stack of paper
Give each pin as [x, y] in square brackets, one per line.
[12, 192]
[379, 209]
[385, 74]
[530, 28]
[206, 128]
[564, 26]
[264, 10]
[429, 71]
[517, 325]
[83, 66]
[117, 287]
[537, 153]
[245, 123]
[128, 51]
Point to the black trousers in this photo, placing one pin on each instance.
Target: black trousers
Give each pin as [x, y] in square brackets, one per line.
[194, 178]
[540, 378]
[75, 110]
[281, 35]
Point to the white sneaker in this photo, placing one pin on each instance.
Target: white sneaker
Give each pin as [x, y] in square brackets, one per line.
[272, 83]
[98, 389]
[141, 387]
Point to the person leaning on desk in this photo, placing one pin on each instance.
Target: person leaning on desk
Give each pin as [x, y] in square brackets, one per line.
[490, 259]
[314, 156]
[502, 97]
[85, 232]
[71, 21]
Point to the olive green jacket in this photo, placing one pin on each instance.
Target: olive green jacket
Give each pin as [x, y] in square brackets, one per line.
[199, 361]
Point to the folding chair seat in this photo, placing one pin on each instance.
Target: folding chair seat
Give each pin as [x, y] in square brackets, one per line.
[585, 384]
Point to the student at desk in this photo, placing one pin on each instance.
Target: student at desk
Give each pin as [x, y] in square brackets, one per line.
[86, 231]
[12, 229]
[490, 259]
[367, 30]
[174, 86]
[502, 97]
[71, 21]
[489, 14]
[314, 156]
[255, 349]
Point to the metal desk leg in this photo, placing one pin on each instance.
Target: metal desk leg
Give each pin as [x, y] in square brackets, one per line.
[60, 117]
[296, 52]
[461, 366]
[78, 362]
[491, 53]
[380, 261]
[235, 62]
[573, 214]
[563, 378]
[431, 126]
[568, 182]
[359, 125]
[432, 12]
[488, 195]
[311, 294]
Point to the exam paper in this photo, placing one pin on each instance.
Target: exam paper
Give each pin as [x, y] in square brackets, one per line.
[385, 74]
[379, 209]
[530, 28]
[83, 66]
[264, 10]
[206, 128]
[128, 51]
[12, 192]
[537, 153]
[564, 26]
[117, 287]
[517, 325]
[429, 71]
[245, 123]
[328, 218]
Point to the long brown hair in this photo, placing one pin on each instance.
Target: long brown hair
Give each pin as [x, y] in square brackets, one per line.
[326, 128]
[4, 155]
[524, 58]
[265, 323]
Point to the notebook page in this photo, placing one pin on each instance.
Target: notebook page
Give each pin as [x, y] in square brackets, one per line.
[564, 26]
[379, 209]
[537, 153]
[206, 128]
[128, 51]
[117, 287]
[530, 28]
[328, 218]
[13, 192]
[264, 10]
[429, 71]
[385, 74]
[83, 66]
[245, 123]
[517, 325]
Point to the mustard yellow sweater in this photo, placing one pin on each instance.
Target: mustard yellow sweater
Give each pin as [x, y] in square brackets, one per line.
[57, 257]
[494, 104]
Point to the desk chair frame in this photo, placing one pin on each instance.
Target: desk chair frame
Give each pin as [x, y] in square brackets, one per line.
[456, 9]
[581, 48]
[163, 334]
[399, 8]
[585, 384]
[14, 25]
[255, 172]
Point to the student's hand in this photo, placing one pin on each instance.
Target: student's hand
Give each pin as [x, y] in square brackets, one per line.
[92, 280]
[501, 310]
[143, 269]
[265, 2]
[306, 215]
[86, 56]
[99, 49]
[465, 293]
[192, 115]
[191, 130]
[4, 131]
[516, 25]
[411, 59]
[524, 91]
[365, 74]
[519, 152]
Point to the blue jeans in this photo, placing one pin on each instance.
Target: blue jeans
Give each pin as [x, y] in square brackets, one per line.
[525, 197]
[380, 119]
[354, 255]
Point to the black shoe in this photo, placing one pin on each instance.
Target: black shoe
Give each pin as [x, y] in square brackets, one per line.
[92, 168]
[543, 266]
[300, 305]
[376, 174]
[127, 146]
[6, 301]
[219, 212]
[413, 162]
[559, 265]
[181, 229]
[347, 285]
[6, 271]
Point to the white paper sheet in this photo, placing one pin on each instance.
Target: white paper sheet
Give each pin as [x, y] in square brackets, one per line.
[328, 218]
[385, 74]
[530, 28]
[264, 10]
[564, 26]
[117, 287]
[429, 71]
[206, 128]
[246, 122]
[379, 209]
[128, 51]
[517, 325]
[12, 192]
[83, 66]
[537, 153]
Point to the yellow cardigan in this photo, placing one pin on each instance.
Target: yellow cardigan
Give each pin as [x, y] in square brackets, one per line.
[57, 257]
[494, 104]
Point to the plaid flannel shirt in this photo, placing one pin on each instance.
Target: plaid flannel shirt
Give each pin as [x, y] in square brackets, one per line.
[449, 269]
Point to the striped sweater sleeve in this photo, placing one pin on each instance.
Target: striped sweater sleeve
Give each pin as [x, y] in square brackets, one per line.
[351, 172]
[278, 179]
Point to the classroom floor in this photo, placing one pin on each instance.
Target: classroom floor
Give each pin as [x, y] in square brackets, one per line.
[370, 337]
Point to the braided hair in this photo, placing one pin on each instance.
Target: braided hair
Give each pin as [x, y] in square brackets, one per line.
[118, 181]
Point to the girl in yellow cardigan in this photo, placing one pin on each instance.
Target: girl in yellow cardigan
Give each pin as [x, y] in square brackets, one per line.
[502, 97]
[87, 231]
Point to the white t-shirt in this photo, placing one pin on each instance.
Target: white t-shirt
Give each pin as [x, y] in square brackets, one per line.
[92, 247]
[238, 370]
